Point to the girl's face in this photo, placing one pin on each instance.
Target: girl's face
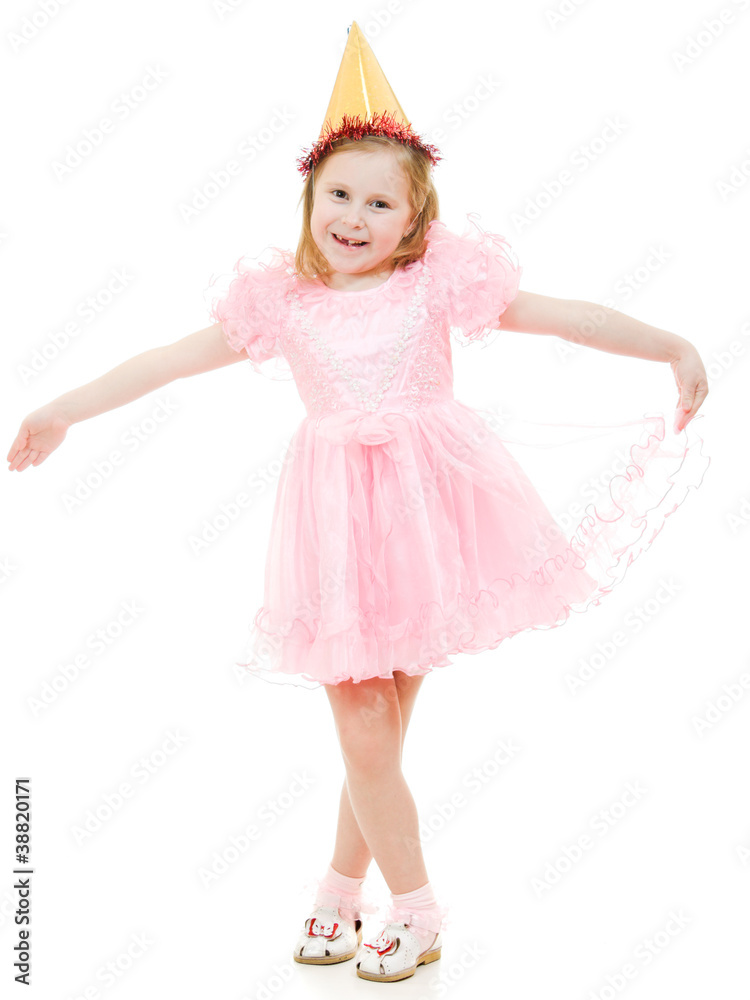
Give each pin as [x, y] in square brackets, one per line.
[361, 196]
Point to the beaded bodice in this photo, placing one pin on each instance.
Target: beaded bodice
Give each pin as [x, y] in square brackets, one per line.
[376, 350]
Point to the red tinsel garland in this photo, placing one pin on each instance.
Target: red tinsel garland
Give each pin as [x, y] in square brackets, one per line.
[354, 127]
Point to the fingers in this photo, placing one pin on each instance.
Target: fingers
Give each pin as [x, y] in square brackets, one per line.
[18, 445]
[684, 414]
[691, 399]
[693, 396]
[687, 397]
[17, 454]
[24, 458]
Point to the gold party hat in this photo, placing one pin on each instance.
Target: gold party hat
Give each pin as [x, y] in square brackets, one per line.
[362, 103]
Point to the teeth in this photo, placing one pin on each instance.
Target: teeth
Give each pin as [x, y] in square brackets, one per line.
[351, 243]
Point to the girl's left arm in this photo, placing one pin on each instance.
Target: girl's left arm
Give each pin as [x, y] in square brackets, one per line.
[609, 330]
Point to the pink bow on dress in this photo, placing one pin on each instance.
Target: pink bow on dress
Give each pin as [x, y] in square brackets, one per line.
[342, 426]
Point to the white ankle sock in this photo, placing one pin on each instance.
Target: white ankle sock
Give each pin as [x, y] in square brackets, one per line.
[419, 901]
[344, 885]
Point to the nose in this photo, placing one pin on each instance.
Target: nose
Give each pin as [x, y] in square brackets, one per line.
[352, 217]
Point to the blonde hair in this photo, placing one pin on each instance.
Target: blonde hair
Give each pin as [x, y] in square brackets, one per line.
[309, 262]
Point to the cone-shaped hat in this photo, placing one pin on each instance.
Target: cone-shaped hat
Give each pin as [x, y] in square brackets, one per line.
[362, 103]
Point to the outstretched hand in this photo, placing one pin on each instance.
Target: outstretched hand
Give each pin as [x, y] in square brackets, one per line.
[692, 383]
[40, 433]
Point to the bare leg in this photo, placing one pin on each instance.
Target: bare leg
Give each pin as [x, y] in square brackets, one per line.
[351, 855]
[371, 719]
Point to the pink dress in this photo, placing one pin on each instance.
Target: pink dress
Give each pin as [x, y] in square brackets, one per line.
[404, 530]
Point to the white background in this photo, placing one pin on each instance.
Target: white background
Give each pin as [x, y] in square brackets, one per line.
[683, 845]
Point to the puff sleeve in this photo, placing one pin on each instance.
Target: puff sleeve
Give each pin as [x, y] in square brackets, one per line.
[251, 304]
[475, 278]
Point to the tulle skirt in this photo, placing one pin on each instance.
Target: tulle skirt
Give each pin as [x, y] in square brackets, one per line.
[394, 554]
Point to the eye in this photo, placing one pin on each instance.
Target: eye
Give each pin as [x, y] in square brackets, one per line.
[378, 201]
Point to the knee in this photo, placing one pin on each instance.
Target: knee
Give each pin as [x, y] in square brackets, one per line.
[371, 750]
[368, 722]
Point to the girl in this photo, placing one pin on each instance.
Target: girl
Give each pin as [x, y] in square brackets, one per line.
[403, 529]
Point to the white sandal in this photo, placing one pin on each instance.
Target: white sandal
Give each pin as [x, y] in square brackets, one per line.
[395, 954]
[328, 938]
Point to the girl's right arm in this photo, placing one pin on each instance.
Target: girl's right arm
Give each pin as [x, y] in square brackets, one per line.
[44, 430]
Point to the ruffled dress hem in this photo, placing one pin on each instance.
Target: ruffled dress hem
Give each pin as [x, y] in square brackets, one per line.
[571, 573]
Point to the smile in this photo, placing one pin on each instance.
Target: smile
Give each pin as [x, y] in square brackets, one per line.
[349, 243]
